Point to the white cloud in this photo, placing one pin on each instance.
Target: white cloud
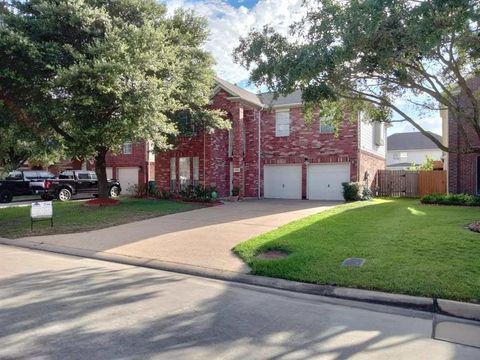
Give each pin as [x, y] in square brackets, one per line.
[227, 24]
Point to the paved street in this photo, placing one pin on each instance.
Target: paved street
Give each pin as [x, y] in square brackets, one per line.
[60, 307]
[202, 238]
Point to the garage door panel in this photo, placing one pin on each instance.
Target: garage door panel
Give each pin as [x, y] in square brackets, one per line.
[283, 181]
[128, 177]
[324, 181]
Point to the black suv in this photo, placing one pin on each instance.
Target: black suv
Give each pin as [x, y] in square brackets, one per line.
[26, 182]
[73, 182]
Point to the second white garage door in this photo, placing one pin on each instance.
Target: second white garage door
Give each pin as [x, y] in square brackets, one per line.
[283, 181]
[127, 177]
[324, 181]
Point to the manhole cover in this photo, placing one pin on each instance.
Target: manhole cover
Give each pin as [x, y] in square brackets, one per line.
[356, 262]
[272, 254]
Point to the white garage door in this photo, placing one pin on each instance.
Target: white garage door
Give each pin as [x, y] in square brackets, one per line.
[109, 173]
[127, 178]
[324, 181]
[283, 181]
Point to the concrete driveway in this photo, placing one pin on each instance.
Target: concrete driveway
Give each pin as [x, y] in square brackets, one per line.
[201, 237]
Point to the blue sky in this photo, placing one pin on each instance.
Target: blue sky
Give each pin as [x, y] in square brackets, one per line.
[247, 3]
[231, 19]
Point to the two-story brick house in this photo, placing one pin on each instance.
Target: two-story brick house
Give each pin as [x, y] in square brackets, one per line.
[269, 152]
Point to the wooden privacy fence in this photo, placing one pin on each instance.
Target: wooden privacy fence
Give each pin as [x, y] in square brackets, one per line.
[411, 183]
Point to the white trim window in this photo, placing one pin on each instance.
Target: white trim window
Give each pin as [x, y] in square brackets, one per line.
[184, 172]
[282, 123]
[127, 148]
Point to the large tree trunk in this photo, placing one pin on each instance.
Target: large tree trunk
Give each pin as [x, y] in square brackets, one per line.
[101, 171]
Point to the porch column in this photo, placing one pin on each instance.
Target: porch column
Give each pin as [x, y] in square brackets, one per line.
[237, 151]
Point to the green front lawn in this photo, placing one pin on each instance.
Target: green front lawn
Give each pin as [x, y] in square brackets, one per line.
[72, 216]
[409, 248]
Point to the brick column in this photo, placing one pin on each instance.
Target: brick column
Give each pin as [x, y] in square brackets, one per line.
[237, 153]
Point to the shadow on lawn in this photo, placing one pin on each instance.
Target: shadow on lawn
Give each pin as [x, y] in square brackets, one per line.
[409, 248]
[92, 313]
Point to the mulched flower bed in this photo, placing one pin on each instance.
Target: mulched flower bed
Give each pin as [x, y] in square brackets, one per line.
[474, 226]
[101, 202]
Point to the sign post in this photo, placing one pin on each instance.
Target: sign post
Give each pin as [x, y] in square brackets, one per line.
[41, 211]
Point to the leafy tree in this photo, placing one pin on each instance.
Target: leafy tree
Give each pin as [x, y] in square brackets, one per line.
[18, 144]
[428, 165]
[102, 72]
[367, 53]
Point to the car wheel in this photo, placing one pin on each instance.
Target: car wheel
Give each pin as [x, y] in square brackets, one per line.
[5, 196]
[114, 191]
[64, 194]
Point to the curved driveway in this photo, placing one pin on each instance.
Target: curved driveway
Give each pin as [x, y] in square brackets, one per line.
[201, 237]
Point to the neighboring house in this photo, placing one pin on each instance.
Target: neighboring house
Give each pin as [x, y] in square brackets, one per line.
[271, 152]
[463, 169]
[404, 149]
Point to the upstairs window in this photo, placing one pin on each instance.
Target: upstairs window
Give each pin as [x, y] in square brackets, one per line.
[282, 123]
[127, 148]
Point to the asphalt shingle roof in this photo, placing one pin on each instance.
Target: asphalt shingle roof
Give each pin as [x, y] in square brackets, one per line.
[265, 99]
[411, 141]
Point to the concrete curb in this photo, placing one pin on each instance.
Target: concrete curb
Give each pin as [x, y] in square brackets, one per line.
[453, 308]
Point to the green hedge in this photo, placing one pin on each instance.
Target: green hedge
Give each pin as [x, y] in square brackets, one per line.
[451, 199]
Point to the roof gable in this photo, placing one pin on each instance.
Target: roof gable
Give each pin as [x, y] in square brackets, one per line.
[260, 100]
[411, 141]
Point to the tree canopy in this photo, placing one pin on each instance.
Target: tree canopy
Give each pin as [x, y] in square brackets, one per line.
[99, 73]
[369, 53]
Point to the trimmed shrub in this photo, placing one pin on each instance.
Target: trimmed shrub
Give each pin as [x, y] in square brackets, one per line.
[163, 194]
[351, 191]
[451, 199]
[197, 193]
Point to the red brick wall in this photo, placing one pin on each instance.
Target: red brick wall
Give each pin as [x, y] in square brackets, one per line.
[462, 168]
[369, 163]
[211, 149]
[136, 159]
[306, 142]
